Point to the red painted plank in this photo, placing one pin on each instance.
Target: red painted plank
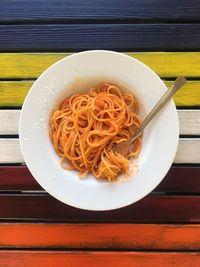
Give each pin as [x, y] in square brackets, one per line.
[179, 179]
[98, 236]
[17, 178]
[98, 259]
[150, 209]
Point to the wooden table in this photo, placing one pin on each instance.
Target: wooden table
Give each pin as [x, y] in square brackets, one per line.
[163, 229]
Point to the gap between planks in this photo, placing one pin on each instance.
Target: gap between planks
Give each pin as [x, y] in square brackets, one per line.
[189, 122]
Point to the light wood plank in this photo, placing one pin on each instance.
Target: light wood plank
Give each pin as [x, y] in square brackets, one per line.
[165, 64]
[10, 151]
[12, 93]
[188, 151]
[189, 121]
[9, 121]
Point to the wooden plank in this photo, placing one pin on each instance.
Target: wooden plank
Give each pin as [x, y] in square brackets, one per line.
[189, 122]
[181, 179]
[31, 65]
[20, 10]
[122, 37]
[151, 209]
[10, 151]
[188, 151]
[9, 121]
[17, 178]
[99, 236]
[177, 180]
[12, 93]
[189, 95]
[98, 259]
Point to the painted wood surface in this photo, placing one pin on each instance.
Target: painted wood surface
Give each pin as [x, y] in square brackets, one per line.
[151, 209]
[188, 151]
[181, 179]
[189, 122]
[18, 178]
[120, 37]
[178, 180]
[9, 122]
[10, 151]
[31, 65]
[130, 25]
[131, 10]
[98, 259]
[99, 236]
[12, 93]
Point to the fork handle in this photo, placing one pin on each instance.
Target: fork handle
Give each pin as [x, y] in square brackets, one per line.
[178, 83]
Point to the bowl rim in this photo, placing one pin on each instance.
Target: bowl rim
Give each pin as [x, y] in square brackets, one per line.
[38, 80]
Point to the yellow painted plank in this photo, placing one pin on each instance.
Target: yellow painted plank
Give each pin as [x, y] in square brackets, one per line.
[12, 93]
[165, 64]
[26, 65]
[172, 64]
[189, 95]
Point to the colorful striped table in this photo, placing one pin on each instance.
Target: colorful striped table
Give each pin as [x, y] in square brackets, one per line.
[162, 229]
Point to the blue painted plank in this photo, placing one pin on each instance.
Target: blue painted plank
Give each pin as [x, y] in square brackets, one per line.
[126, 37]
[180, 10]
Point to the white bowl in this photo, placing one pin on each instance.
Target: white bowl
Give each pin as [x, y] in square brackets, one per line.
[81, 71]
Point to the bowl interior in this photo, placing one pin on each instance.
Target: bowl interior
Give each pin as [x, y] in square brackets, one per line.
[78, 73]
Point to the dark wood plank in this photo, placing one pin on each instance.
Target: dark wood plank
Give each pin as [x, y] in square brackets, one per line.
[22, 10]
[181, 179]
[100, 236]
[121, 37]
[150, 209]
[17, 178]
[98, 259]
[178, 180]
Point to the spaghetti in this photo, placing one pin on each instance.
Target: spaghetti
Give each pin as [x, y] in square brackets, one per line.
[85, 127]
